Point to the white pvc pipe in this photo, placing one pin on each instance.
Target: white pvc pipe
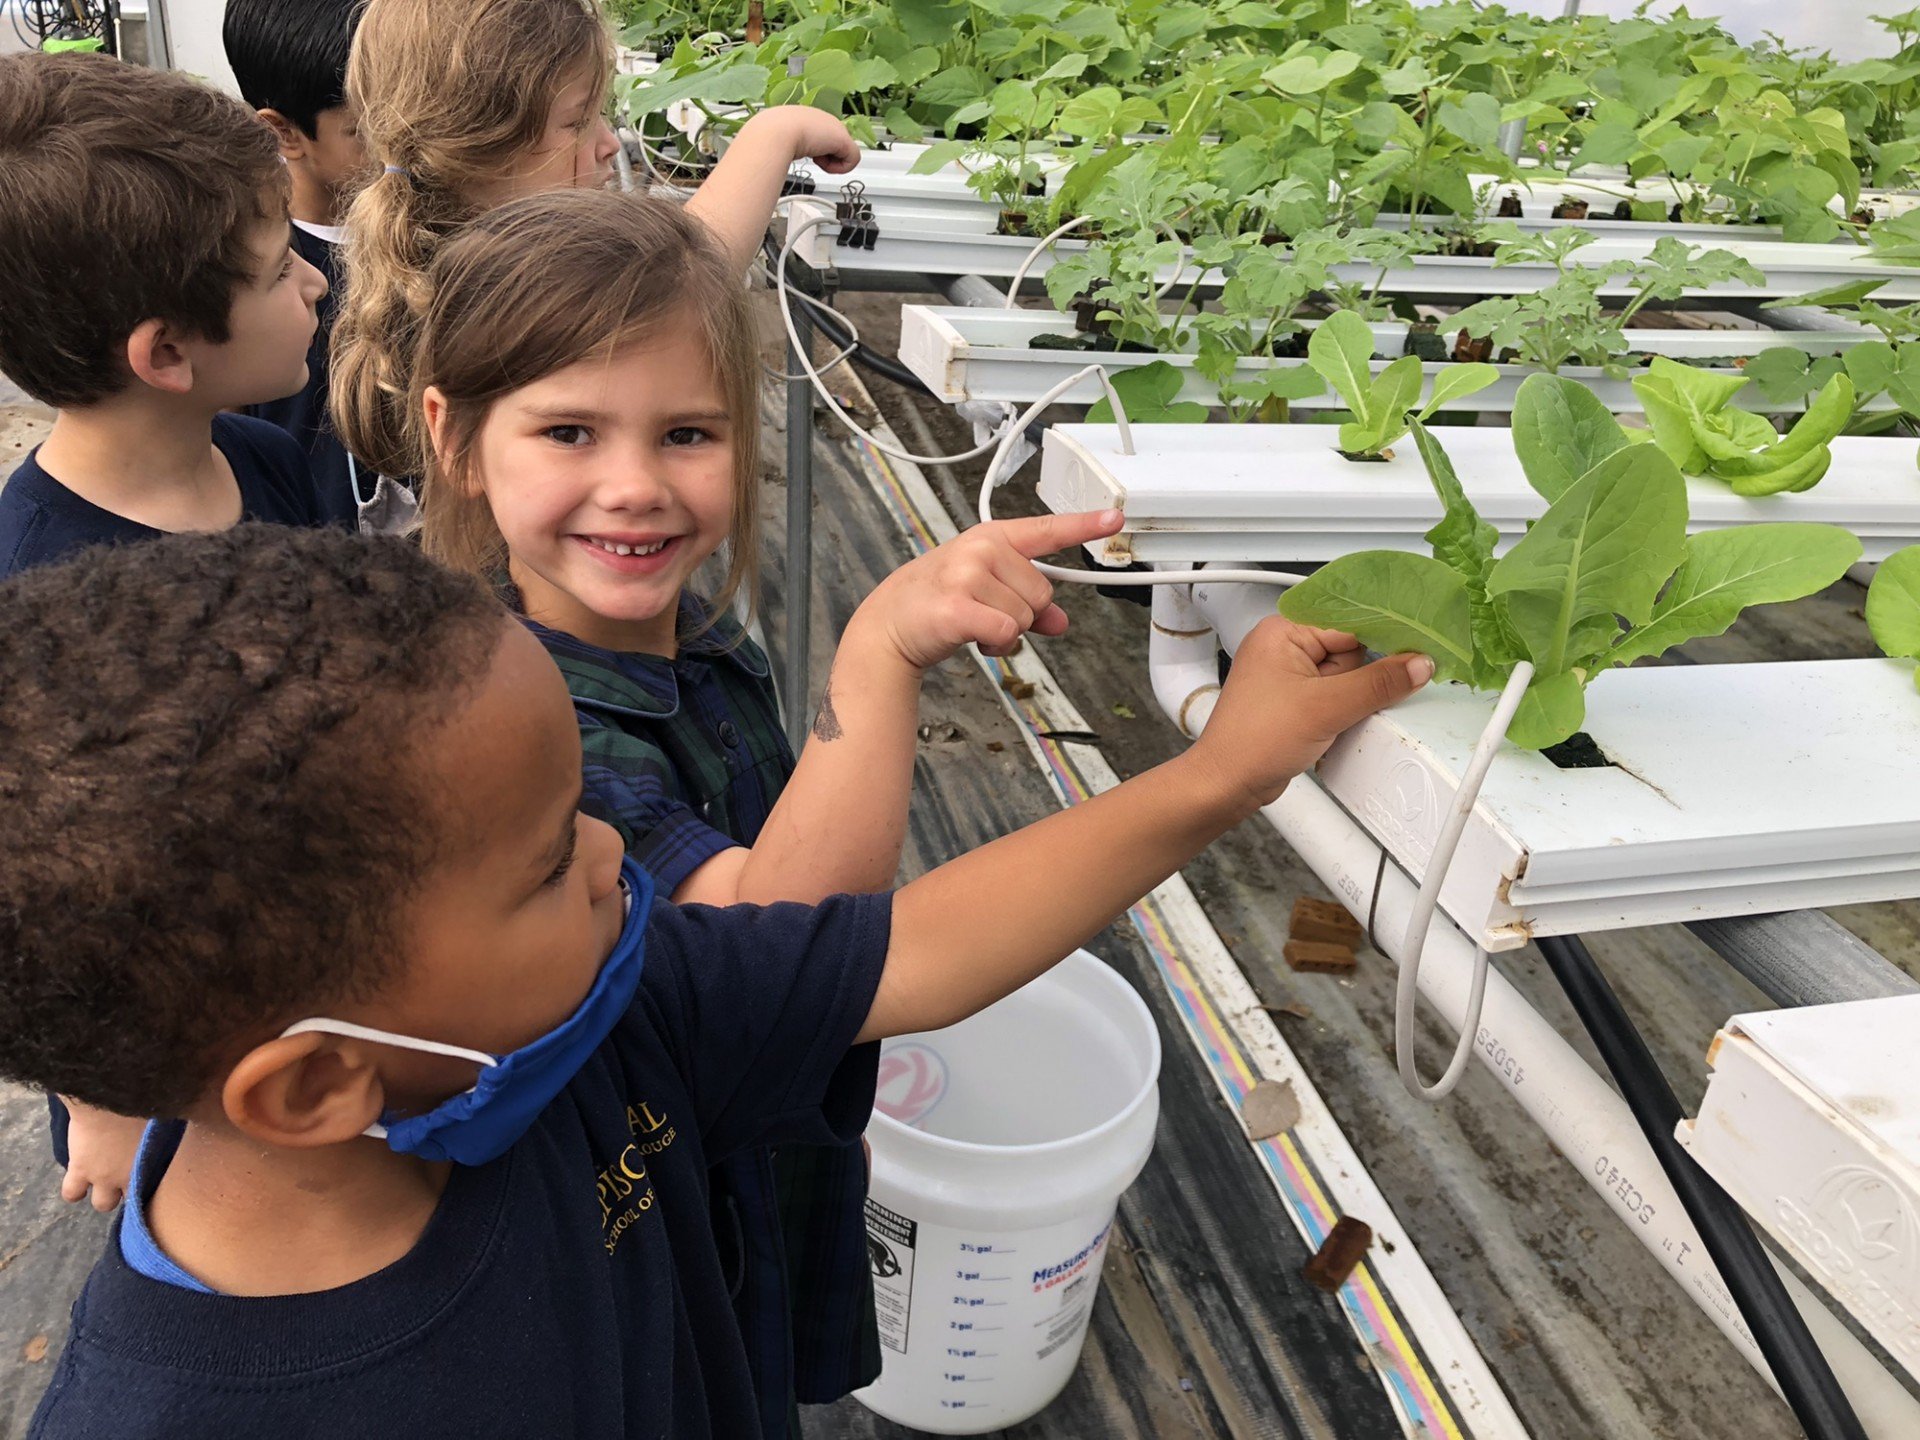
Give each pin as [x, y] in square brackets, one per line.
[1185, 655]
[1580, 1114]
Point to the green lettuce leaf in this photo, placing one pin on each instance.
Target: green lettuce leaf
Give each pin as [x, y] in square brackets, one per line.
[1603, 549]
[1724, 571]
[1393, 601]
[1893, 605]
[1560, 432]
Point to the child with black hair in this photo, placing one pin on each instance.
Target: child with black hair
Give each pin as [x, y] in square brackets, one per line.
[444, 1084]
[290, 59]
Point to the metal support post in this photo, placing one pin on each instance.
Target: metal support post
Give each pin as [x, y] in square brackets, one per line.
[793, 688]
[1800, 1370]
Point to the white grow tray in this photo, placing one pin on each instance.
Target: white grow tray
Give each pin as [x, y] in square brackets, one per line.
[1198, 493]
[983, 353]
[1811, 1121]
[943, 196]
[926, 245]
[1736, 789]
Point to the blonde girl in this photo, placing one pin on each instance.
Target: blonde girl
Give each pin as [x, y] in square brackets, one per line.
[585, 395]
[464, 104]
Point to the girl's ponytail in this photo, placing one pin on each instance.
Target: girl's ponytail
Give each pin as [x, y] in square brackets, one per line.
[451, 95]
[395, 227]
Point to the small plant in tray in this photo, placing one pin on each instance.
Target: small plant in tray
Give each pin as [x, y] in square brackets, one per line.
[1608, 575]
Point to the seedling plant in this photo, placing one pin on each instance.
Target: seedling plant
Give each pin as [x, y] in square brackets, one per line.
[1606, 576]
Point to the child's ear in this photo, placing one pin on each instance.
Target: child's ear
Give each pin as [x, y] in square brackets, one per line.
[304, 1090]
[433, 409]
[293, 140]
[157, 358]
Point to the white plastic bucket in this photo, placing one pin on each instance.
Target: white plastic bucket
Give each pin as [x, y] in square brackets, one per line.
[1001, 1146]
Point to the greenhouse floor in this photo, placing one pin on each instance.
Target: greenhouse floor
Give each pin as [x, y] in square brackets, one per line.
[1205, 1326]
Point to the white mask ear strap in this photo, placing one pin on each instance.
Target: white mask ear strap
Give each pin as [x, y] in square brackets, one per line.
[387, 1037]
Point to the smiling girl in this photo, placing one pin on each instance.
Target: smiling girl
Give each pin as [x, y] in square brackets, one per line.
[465, 104]
[586, 387]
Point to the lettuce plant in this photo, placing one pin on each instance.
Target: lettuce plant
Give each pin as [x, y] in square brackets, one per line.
[1693, 422]
[1893, 605]
[1383, 405]
[1606, 576]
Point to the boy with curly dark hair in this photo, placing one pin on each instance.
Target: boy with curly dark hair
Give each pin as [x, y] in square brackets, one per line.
[293, 857]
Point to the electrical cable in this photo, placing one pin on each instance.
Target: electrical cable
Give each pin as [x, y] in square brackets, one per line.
[1800, 1370]
[1406, 994]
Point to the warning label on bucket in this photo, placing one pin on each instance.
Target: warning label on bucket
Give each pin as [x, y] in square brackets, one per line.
[890, 1243]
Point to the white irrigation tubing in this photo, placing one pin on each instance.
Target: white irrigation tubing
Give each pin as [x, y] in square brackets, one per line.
[1019, 275]
[1001, 439]
[1033, 255]
[1002, 443]
[1407, 995]
[783, 291]
[993, 478]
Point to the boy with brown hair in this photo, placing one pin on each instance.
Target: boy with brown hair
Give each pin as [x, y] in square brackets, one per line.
[150, 286]
[293, 855]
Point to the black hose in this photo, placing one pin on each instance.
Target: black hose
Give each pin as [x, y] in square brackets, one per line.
[832, 324]
[1778, 1328]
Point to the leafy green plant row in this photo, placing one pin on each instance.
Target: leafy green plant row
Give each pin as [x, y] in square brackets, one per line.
[1606, 576]
[1399, 102]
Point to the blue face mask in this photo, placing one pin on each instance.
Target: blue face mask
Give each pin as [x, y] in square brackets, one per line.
[481, 1124]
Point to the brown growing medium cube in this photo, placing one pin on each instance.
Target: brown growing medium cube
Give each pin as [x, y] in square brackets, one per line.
[1315, 919]
[1345, 1247]
[1317, 957]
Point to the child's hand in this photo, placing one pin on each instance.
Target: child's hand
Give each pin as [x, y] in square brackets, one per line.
[814, 135]
[100, 1151]
[1292, 690]
[980, 588]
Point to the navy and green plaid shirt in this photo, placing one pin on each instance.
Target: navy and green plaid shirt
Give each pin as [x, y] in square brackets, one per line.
[686, 758]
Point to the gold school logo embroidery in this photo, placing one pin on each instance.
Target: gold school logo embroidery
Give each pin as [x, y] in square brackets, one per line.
[624, 1191]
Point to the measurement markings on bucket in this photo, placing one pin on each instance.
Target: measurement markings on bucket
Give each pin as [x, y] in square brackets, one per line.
[891, 1238]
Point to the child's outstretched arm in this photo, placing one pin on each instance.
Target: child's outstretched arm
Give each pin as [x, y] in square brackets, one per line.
[981, 926]
[840, 822]
[736, 201]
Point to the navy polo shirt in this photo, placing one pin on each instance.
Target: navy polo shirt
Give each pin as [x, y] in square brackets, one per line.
[572, 1287]
[686, 758]
[303, 414]
[42, 521]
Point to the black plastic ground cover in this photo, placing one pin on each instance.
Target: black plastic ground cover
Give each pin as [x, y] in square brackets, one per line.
[1778, 1328]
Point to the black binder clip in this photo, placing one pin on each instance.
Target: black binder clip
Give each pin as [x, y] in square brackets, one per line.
[858, 229]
